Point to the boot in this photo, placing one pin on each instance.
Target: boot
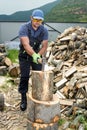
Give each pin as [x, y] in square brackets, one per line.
[23, 105]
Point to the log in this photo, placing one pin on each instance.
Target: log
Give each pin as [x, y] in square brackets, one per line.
[72, 83]
[60, 84]
[14, 70]
[67, 38]
[62, 47]
[81, 85]
[50, 58]
[70, 71]
[42, 85]
[7, 61]
[59, 95]
[57, 78]
[43, 112]
[66, 102]
[2, 55]
[48, 52]
[82, 80]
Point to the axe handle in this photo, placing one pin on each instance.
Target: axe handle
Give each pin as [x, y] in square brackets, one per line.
[39, 60]
[42, 61]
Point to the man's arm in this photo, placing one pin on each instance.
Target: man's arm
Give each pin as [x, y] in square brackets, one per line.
[44, 47]
[29, 50]
[26, 45]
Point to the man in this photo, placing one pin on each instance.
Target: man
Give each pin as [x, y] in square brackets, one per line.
[33, 44]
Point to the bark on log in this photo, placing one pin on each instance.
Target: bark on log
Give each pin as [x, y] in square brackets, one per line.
[37, 126]
[43, 111]
[42, 85]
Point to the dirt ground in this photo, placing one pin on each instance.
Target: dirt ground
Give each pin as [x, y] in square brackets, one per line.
[12, 118]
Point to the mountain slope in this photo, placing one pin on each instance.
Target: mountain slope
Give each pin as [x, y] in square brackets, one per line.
[25, 15]
[58, 11]
[69, 11]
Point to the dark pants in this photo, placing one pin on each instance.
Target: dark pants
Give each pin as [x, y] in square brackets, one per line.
[25, 65]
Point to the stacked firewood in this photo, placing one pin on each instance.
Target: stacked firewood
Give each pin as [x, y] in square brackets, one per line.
[6, 65]
[67, 58]
[4, 61]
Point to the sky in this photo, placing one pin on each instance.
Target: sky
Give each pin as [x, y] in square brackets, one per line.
[11, 6]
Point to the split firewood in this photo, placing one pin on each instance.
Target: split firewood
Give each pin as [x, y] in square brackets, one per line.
[71, 83]
[67, 38]
[81, 85]
[7, 61]
[70, 71]
[44, 87]
[14, 70]
[60, 84]
[59, 95]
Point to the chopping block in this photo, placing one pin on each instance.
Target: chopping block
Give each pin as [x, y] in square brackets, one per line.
[43, 111]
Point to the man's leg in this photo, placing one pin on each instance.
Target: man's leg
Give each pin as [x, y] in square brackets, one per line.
[23, 86]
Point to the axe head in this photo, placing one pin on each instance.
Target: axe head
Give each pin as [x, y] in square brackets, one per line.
[45, 66]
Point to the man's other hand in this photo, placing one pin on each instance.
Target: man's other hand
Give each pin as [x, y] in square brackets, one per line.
[36, 57]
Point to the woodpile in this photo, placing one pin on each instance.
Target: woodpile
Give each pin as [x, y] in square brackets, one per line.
[67, 58]
[6, 65]
[4, 61]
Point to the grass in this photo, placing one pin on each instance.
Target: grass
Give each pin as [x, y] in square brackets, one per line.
[61, 122]
[13, 55]
[83, 120]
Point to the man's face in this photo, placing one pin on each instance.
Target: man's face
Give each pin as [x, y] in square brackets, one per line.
[36, 22]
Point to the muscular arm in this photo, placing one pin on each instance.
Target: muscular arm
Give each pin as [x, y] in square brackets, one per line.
[44, 47]
[27, 47]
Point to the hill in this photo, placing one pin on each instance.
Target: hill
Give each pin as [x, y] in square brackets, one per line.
[25, 15]
[68, 11]
[57, 11]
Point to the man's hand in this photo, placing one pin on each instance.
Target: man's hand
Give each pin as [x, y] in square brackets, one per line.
[36, 57]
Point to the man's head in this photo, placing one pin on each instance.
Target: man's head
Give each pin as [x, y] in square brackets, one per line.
[37, 18]
[38, 14]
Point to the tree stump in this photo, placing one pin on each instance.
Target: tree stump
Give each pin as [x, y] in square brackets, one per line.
[43, 115]
[43, 111]
[42, 85]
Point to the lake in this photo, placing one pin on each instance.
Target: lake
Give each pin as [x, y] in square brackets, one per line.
[9, 30]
